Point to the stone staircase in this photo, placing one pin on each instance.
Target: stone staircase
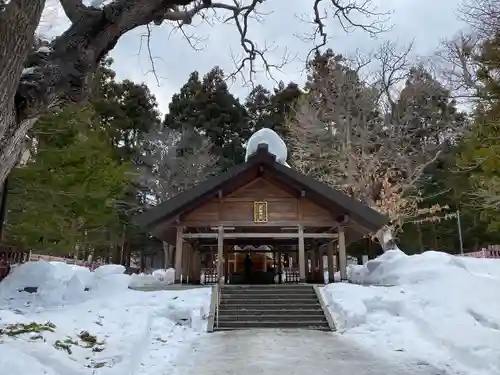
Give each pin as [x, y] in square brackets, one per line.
[270, 306]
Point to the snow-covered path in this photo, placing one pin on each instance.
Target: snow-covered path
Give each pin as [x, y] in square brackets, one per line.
[271, 352]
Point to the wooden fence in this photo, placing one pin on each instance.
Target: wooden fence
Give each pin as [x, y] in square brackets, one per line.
[48, 258]
[9, 256]
[492, 252]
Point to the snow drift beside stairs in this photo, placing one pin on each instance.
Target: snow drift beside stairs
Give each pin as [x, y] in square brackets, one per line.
[275, 144]
[433, 307]
[58, 283]
[134, 332]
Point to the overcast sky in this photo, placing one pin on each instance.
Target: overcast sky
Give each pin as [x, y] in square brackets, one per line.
[425, 21]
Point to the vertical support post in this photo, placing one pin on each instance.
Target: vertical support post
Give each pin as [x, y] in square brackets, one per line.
[331, 268]
[302, 255]
[178, 254]
[227, 268]
[186, 262]
[321, 266]
[314, 265]
[220, 252]
[342, 255]
[280, 267]
[195, 275]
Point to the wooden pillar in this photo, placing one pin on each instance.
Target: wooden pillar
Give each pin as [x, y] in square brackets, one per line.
[302, 256]
[167, 259]
[178, 254]
[195, 274]
[185, 262]
[226, 264]
[220, 252]
[314, 265]
[342, 255]
[321, 266]
[280, 268]
[331, 269]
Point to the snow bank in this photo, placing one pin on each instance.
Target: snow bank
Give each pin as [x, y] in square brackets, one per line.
[275, 143]
[433, 307]
[158, 279]
[97, 324]
[44, 284]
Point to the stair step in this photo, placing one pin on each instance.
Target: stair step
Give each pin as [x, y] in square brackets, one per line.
[268, 306]
[265, 312]
[223, 317]
[268, 292]
[310, 324]
[251, 296]
[268, 301]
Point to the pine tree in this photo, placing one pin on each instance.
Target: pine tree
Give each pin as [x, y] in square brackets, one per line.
[63, 200]
[208, 107]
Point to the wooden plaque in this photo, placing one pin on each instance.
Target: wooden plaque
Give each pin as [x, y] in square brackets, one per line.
[260, 212]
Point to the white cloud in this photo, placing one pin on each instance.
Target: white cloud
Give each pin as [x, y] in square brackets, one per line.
[425, 21]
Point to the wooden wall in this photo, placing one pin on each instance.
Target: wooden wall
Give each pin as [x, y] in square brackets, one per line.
[282, 205]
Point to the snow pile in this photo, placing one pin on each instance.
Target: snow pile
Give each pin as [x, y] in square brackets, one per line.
[106, 329]
[49, 284]
[433, 307]
[275, 143]
[159, 278]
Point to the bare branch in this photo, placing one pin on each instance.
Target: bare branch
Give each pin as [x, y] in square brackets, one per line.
[345, 135]
[346, 15]
[75, 10]
[176, 161]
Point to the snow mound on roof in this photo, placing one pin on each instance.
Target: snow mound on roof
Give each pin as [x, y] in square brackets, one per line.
[276, 145]
[432, 307]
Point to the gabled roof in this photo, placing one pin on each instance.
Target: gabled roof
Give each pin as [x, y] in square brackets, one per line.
[318, 192]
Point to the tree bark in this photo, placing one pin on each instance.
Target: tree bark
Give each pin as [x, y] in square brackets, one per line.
[33, 82]
[386, 239]
[18, 22]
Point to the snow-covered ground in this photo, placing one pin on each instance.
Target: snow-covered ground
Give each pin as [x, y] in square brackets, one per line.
[80, 322]
[423, 312]
[436, 308]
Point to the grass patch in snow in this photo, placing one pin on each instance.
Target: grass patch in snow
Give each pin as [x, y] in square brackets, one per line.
[87, 341]
[33, 327]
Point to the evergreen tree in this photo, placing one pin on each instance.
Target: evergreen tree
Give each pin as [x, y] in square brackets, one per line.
[63, 200]
[208, 107]
[272, 110]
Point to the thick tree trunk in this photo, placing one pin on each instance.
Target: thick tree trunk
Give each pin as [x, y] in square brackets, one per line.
[18, 22]
[386, 239]
[32, 82]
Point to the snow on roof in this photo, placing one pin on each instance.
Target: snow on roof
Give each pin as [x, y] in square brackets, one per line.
[276, 145]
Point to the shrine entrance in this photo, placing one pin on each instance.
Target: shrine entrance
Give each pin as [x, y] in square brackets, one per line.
[287, 223]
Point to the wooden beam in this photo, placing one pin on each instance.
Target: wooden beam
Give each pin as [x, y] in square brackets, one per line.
[306, 224]
[342, 255]
[302, 256]
[220, 252]
[178, 254]
[200, 235]
[261, 235]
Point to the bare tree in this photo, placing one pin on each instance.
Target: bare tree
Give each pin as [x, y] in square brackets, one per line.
[35, 81]
[458, 57]
[176, 161]
[374, 140]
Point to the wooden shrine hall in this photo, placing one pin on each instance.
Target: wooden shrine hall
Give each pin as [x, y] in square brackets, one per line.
[260, 222]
